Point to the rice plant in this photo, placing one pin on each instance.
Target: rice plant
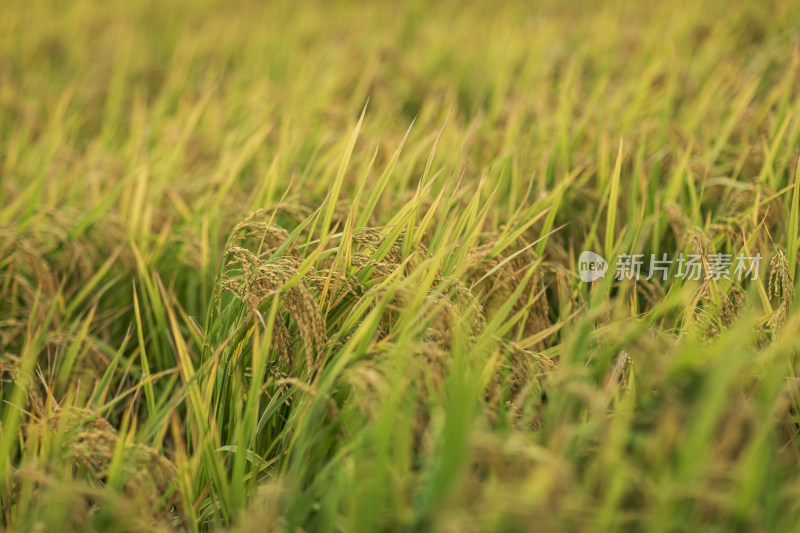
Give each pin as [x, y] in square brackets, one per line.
[416, 267]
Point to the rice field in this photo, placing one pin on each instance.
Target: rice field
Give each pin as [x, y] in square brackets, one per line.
[447, 267]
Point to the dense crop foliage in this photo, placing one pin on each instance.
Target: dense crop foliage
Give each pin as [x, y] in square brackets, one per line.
[316, 267]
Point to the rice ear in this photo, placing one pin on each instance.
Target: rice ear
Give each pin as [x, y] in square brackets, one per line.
[259, 280]
[781, 287]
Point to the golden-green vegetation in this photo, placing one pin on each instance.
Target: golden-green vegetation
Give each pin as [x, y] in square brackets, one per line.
[314, 267]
